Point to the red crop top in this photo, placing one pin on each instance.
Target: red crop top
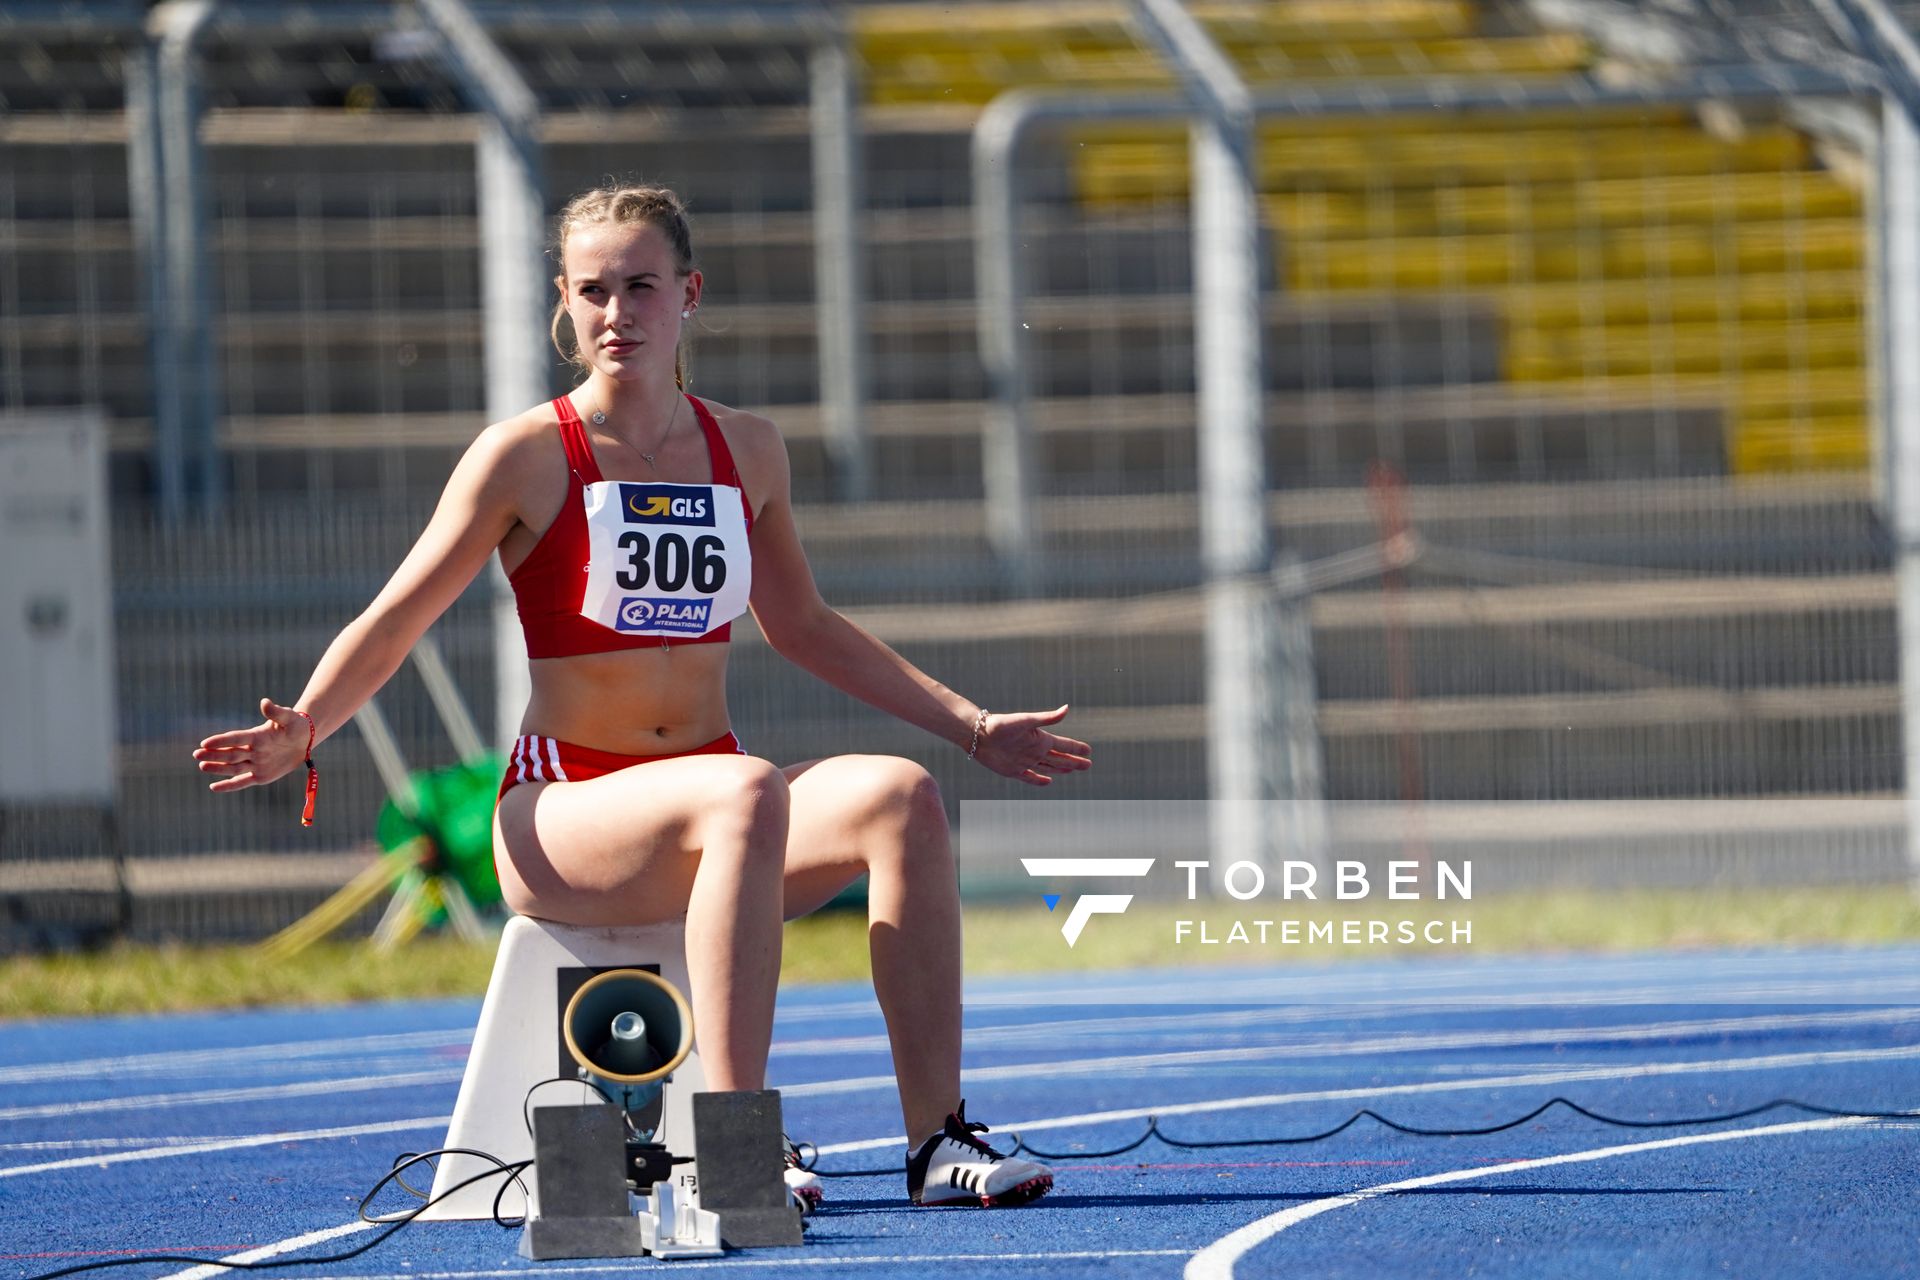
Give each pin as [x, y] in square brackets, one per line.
[550, 584]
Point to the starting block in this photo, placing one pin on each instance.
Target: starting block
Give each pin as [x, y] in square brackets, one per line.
[521, 1041]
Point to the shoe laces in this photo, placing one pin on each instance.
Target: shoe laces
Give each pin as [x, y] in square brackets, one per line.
[961, 1130]
[794, 1158]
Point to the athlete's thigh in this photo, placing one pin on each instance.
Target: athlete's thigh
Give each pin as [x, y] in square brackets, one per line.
[618, 849]
[832, 803]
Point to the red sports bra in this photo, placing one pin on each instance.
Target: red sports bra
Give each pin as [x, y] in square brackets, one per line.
[550, 584]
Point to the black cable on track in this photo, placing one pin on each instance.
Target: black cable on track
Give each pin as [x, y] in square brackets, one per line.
[512, 1170]
[393, 1221]
[1153, 1130]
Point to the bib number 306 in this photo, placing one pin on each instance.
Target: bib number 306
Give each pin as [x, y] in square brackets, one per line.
[668, 562]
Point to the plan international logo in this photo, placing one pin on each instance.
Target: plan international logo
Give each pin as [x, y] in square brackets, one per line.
[1091, 904]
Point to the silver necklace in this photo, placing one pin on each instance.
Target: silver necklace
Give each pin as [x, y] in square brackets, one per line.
[600, 420]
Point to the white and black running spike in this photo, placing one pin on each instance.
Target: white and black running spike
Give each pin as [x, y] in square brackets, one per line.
[955, 1167]
[803, 1184]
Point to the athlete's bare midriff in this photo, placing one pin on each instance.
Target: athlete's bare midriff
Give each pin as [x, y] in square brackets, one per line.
[648, 701]
[639, 702]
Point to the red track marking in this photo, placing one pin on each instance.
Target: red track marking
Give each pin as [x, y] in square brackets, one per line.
[1255, 1164]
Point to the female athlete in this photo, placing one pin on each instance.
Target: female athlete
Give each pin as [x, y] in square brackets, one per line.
[635, 522]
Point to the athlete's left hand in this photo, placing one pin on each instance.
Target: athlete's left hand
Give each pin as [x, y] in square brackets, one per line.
[1017, 744]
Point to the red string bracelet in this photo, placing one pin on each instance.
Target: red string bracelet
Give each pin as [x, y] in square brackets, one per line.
[313, 774]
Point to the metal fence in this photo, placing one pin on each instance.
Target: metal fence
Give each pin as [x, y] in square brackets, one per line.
[1622, 354]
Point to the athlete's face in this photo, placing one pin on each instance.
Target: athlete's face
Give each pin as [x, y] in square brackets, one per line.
[625, 298]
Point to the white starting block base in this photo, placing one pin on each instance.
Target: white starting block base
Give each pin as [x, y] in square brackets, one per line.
[515, 1048]
[675, 1228]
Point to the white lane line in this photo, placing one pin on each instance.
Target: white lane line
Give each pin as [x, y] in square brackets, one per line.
[1878, 978]
[258, 1093]
[1216, 1261]
[1328, 1046]
[179, 1147]
[1691, 981]
[102, 1144]
[185, 1059]
[228, 1144]
[1053, 1029]
[694, 1264]
[274, 1250]
[1771, 1062]
[175, 1146]
[1630, 1033]
[1076, 1031]
[1137, 1113]
[1905, 991]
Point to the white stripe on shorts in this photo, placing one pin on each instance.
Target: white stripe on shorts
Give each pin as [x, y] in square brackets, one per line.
[536, 759]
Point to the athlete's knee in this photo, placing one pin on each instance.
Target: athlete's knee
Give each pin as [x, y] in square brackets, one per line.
[747, 796]
[905, 799]
[919, 795]
[890, 787]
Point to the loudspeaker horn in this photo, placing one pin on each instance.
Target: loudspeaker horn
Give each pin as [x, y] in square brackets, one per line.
[628, 1029]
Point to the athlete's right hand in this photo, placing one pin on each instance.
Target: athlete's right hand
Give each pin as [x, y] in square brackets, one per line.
[254, 757]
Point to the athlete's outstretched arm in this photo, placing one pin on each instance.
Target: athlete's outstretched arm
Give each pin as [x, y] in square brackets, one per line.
[475, 511]
[806, 631]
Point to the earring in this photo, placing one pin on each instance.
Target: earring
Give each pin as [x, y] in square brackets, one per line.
[685, 315]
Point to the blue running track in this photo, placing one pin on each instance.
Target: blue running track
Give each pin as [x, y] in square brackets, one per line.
[221, 1134]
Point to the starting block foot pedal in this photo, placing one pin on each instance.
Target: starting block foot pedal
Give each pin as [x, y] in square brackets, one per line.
[742, 1155]
[583, 1210]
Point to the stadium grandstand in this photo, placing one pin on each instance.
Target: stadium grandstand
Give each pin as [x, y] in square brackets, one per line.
[1622, 356]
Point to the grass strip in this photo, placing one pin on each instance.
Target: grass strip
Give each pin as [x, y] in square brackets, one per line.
[1000, 939]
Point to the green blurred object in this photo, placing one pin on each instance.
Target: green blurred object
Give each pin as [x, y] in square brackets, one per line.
[453, 809]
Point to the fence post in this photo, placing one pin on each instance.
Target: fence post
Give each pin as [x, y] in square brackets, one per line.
[840, 295]
[1295, 727]
[1006, 443]
[513, 282]
[1874, 29]
[1898, 313]
[147, 206]
[1235, 548]
[191, 412]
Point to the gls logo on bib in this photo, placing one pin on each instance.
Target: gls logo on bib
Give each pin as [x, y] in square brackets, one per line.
[666, 504]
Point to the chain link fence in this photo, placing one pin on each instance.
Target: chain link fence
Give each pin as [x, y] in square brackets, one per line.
[1620, 357]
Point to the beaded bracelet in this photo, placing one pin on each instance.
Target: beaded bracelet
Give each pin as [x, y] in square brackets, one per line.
[979, 723]
[313, 773]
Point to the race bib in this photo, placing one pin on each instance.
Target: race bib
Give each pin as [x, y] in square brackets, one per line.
[665, 559]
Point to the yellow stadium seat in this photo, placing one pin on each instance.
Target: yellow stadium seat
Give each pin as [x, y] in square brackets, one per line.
[1562, 206]
[1745, 299]
[1470, 261]
[1545, 354]
[1817, 444]
[1631, 253]
[1115, 171]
